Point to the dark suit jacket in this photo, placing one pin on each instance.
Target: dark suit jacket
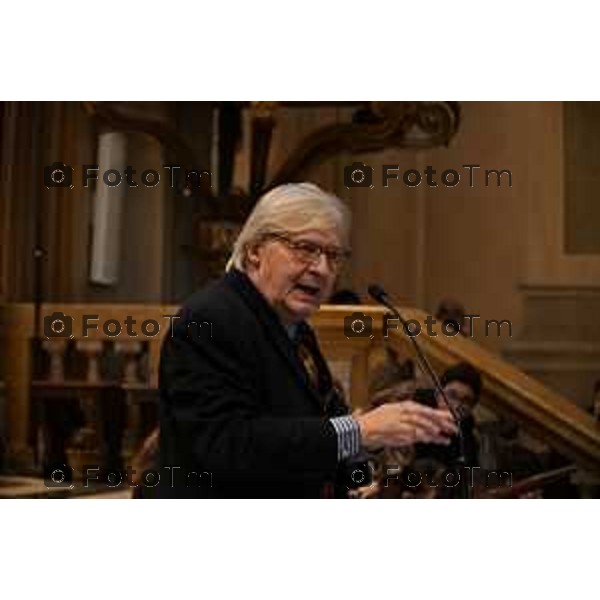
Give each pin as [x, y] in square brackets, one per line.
[237, 406]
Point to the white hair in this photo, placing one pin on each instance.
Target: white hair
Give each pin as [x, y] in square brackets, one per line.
[291, 208]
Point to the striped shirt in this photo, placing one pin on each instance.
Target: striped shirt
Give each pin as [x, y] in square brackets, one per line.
[346, 427]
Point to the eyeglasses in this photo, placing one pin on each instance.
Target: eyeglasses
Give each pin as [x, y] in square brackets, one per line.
[310, 252]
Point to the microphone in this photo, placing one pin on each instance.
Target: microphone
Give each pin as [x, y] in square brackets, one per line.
[377, 293]
[382, 297]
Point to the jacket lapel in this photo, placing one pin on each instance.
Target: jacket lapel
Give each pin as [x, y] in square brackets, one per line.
[273, 329]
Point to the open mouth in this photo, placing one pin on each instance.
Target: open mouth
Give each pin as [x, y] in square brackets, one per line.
[310, 290]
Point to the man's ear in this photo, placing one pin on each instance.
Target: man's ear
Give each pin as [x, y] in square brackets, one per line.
[253, 255]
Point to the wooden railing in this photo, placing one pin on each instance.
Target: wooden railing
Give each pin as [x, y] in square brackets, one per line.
[507, 390]
[79, 364]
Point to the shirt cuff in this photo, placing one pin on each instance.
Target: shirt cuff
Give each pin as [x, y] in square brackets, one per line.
[348, 436]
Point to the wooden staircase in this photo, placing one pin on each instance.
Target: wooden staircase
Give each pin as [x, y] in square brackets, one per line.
[507, 390]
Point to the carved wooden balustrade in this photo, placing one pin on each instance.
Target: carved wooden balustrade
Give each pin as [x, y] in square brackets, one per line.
[85, 384]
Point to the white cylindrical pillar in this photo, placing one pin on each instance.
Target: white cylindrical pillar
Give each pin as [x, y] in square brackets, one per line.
[108, 208]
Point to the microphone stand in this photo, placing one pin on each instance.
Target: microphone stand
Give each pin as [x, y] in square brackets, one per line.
[381, 297]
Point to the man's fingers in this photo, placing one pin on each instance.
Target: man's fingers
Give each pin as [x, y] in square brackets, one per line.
[441, 417]
[430, 425]
[425, 425]
[406, 423]
[446, 421]
[414, 431]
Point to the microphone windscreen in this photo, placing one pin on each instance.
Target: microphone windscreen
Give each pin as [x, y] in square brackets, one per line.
[377, 292]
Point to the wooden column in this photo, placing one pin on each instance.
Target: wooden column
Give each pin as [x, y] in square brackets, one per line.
[15, 368]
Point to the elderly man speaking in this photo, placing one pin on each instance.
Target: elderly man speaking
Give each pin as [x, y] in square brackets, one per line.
[250, 409]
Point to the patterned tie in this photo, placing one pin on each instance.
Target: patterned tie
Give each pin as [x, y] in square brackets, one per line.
[327, 389]
[309, 364]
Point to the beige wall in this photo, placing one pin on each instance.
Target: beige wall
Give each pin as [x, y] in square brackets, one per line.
[384, 234]
[479, 244]
[491, 247]
[476, 239]
[425, 243]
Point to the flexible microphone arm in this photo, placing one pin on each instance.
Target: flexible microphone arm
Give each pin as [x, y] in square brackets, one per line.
[381, 296]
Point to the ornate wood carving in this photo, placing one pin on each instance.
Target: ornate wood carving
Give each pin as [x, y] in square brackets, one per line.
[380, 125]
[375, 126]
